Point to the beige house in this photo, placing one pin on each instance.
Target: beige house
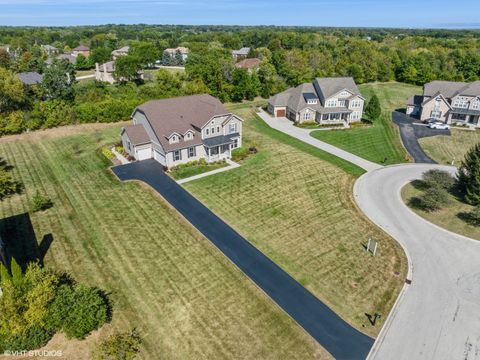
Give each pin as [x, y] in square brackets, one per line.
[182, 129]
[447, 101]
[325, 101]
[183, 51]
[120, 52]
[104, 72]
[81, 50]
[240, 54]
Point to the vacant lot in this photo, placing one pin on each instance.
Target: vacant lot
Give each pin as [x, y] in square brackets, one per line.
[450, 217]
[448, 149]
[295, 205]
[381, 141]
[164, 278]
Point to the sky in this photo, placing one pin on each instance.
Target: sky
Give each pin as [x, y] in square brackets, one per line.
[342, 13]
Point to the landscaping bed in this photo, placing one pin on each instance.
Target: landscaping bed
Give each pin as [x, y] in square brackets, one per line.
[193, 168]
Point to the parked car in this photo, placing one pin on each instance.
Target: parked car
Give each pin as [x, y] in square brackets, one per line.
[438, 125]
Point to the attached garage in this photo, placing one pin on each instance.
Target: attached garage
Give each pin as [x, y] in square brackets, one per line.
[143, 154]
[160, 157]
[280, 113]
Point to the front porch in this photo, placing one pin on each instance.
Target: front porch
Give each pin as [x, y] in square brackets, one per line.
[220, 147]
[335, 117]
[464, 116]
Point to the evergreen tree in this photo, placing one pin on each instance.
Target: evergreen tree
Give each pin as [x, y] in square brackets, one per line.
[373, 109]
[469, 176]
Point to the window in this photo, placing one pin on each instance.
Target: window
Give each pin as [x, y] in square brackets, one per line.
[232, 128]
[331, 103]
[311, 101]
[218, 129]
[354, 115]
[207, 131]
[189, 136]
[128, 145]
[306, 115]
[356, 104]
[325, 117]
[213, 130]
[177, 155]
[476, 105]
[235, 144]
[191, 152]
[436, 114]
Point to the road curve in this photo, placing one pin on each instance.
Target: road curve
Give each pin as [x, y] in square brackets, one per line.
[438, 315]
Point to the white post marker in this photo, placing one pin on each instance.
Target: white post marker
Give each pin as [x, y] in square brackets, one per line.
[372, 246]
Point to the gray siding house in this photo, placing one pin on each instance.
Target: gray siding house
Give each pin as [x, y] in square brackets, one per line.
[325, 101]
[447, 101]
[182, 129]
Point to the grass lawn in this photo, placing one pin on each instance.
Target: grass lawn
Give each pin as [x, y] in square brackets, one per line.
[445, 149]
[294, 203]
[448, 217]
[185, 298]
[382, 140]
[84, 72]
[182, 172]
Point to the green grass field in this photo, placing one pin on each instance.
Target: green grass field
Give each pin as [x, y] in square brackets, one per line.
[448, 149]
[449, 217]
[294, 203]
[164, 278]
[382, 140]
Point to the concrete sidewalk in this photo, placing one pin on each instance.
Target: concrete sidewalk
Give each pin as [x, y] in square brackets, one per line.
[231, 165]
[286, 126]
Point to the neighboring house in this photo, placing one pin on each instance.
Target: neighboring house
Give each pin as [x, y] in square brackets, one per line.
[120, 52]
[7, 48]
[240, 53]
[249, 64]
[172, 52]
[83, 50]
[69, 57]
[30, 78]
[182, 129]
[325, 101]
[50, 50]
[104, 72]
[447, 101]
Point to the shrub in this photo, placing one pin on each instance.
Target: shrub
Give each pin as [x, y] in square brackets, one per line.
[472, 217]
[239, 154]
[439, 178]
[107, 153]
[469, 176]
[41, 202]
[120, 346]
[433, 199]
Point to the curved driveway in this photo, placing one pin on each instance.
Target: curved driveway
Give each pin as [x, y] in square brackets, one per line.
[438, 315]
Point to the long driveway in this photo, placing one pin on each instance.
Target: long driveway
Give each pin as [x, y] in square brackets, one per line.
[438, 315]
[334, 334]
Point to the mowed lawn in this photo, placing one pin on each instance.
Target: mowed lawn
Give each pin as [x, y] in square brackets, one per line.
[448, 149]
[296, 206]
[380, 142]
[164, 278]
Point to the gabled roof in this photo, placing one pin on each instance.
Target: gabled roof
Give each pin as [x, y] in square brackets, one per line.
[243, 51]
[49, 48]
[179, 115]
[438, 94]
[248, 63]
[30, 78]
[122, 50]
[327, 87]
[81, 48]
[446, 88]
[173, 51]
[69, 57]
[137, 134]
[415, 100]
[108, 66]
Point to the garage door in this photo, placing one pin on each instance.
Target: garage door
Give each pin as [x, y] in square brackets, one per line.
[143, 154]
[159, 157]
[280, 113]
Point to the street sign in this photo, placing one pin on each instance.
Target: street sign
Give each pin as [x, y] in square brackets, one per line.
[372, 246]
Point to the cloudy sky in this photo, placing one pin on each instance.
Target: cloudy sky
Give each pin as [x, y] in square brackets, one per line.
[370, 13]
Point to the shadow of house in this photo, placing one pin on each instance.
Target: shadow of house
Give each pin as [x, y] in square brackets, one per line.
[18, 241]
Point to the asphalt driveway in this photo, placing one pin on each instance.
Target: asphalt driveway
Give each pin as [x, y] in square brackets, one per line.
[326, 327]
[410, 132]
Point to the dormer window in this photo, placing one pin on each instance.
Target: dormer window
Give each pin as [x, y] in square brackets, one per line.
[310, 98]
[174, 138]
[189, 136]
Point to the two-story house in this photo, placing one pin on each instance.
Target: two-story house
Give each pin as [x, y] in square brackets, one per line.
[325, 101]
[182, 129]
[447, 101]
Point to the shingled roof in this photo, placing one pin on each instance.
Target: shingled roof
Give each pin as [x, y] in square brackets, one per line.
[137, 134]
[30, 78]
[248, 63]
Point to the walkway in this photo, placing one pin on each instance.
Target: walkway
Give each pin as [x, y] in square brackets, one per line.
[326, 327]
[286, 126]
[123, 160]
[231, 165]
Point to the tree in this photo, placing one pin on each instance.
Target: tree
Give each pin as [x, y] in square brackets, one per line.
[82, 62]
[373, 109]
[12, 91]
[100, 55]
[146, 53]
[58, 80]
[127, 68]
[5, 60]
[8, 186]
[469, 176]
[434, 198]
[120, 346]
[439, 178]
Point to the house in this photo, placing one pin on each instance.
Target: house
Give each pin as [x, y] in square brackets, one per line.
[68, 57]
[50, 50]
[83, 50]
[120, 52]
[30, 78]
[240, 53]
[182, 129]
[448, 102]
[325, 101]
[172, 52]
[104, 72]
[249, 64]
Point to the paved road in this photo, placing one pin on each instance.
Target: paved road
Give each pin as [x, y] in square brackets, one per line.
[410, 133]
[334, 334]
[286, 126]
[438, 315]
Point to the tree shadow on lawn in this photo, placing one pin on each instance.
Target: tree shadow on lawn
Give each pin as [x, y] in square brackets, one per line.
[18, 241]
